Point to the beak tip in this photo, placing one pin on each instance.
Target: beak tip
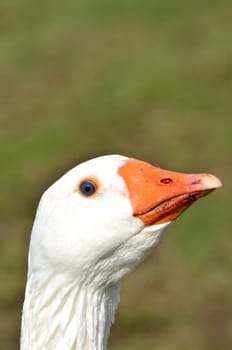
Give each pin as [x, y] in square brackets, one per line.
[211, 181]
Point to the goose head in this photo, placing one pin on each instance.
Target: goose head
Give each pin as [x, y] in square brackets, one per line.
[99, 220]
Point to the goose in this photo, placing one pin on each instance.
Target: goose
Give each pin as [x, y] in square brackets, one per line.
[93, 226]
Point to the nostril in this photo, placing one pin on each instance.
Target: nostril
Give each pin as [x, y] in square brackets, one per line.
[166, 181]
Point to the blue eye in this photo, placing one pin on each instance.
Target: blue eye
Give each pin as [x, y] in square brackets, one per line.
[87, 188]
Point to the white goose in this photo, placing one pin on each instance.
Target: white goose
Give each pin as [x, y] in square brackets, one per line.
[92, 227]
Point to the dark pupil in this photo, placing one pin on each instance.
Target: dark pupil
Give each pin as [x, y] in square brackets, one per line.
[87, 188]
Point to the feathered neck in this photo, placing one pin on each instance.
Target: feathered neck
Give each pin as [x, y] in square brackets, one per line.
[61, 315]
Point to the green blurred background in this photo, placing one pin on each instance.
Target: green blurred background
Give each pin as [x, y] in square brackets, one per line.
[150, 79]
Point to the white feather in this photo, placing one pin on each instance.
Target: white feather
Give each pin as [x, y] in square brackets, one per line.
[80, 249]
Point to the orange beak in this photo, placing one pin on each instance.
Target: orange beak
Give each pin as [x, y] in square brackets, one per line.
[158, 196]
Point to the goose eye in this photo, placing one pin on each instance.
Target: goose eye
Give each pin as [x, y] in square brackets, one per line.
[88, 188]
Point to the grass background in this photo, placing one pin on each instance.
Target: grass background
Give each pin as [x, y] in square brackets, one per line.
[150, 79]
